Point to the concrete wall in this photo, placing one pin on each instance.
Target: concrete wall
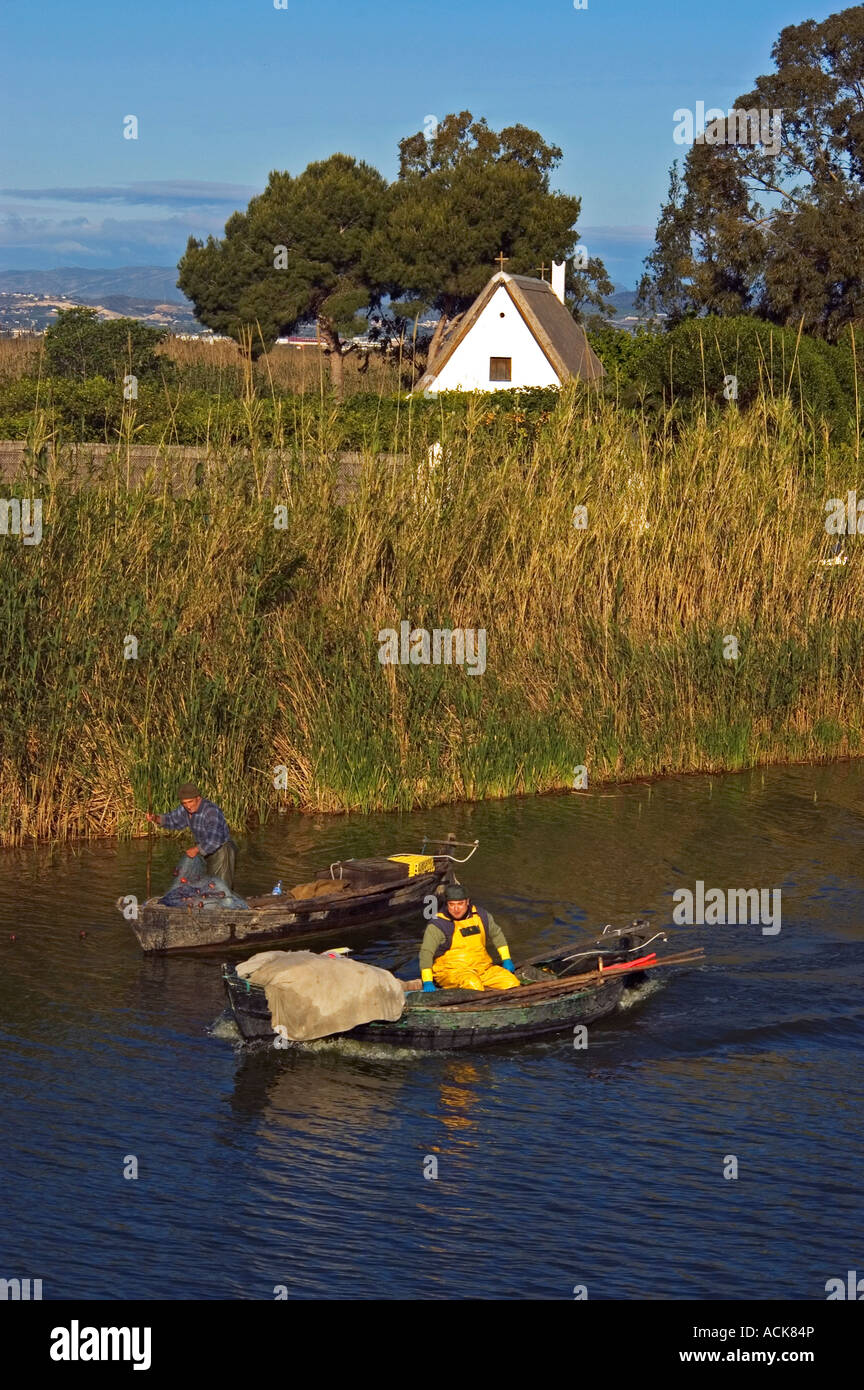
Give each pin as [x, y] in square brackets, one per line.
[87, 460]
[181, 468]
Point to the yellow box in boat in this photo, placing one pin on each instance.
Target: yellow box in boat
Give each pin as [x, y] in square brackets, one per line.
[417, 863]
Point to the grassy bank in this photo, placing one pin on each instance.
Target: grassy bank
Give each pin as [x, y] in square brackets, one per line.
[258, 647]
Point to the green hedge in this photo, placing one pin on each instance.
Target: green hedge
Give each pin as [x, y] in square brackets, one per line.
[690, 362]
[647, 372]
[93, 411]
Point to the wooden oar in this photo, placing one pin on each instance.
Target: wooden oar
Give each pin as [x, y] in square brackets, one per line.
[492, 999]
[149, 837]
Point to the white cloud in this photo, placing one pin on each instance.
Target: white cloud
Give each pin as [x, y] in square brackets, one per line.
[158, 192]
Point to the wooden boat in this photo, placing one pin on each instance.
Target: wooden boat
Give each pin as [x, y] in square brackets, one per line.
[370, 891]
[552, 999]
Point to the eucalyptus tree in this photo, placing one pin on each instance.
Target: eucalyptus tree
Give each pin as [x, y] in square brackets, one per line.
[768, 217]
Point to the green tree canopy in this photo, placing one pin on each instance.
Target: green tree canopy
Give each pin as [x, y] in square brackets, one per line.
[79, 345]
[462, 196]
[299, 253]
[800, 255]
[337, 239]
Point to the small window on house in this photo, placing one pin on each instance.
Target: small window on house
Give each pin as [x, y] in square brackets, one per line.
[500, 368]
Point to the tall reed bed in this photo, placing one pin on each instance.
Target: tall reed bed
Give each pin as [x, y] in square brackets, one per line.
[284, 368]
[19, 356]
[257, 646]
[219, 367]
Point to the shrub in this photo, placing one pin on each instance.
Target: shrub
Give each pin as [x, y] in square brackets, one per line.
[78, 346]
[618, 350]
[693, 360]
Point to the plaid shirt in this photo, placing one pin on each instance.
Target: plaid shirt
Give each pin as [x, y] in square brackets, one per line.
[207, 824]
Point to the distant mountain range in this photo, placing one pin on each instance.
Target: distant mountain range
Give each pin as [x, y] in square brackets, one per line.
[155, 283]
[30, 299]
[624, 301]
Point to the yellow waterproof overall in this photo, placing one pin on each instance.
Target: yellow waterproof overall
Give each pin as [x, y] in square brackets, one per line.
[466, 964]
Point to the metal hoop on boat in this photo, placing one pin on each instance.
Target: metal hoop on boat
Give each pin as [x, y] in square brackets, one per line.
[470, 845]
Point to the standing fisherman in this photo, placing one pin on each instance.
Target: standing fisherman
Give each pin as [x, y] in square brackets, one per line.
[210, 828]
[454, 952]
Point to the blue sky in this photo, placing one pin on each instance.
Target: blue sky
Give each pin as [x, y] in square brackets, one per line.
[226, 90]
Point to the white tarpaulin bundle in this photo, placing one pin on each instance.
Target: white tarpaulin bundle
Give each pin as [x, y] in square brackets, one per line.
[312, 996]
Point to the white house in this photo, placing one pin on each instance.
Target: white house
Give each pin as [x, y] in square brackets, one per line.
[518, 332]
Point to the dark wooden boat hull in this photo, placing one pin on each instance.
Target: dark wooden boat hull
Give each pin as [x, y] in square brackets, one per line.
[420, 1028]
[432, 1027]
[162, 929]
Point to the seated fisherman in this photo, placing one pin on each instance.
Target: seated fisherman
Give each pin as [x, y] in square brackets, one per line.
[210, 828]
[454, 952]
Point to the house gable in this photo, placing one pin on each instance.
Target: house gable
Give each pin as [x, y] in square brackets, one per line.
[522, 321]
[498, 331]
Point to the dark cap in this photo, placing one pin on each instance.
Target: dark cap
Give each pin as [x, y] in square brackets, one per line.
[188, 791]
[455, 893]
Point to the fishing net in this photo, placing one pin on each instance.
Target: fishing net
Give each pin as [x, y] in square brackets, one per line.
[207, 893]
[189, 869]
[193, 887]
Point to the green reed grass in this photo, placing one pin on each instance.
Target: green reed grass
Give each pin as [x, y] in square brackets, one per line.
[258, 647]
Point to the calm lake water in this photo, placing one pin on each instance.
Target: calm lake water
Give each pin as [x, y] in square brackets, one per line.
[557, 1167]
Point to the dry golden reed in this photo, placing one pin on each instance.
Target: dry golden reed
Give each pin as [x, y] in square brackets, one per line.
[257, 647]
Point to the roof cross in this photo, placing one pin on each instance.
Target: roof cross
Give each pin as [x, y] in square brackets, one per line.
[542, 267]
[501, 258]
